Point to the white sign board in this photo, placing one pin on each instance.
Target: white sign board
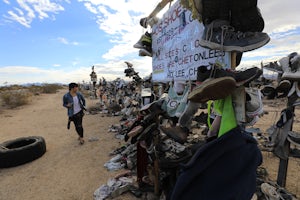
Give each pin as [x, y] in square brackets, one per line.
[175, 46]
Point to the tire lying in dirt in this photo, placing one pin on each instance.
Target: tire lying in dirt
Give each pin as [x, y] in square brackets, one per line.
[21, 150]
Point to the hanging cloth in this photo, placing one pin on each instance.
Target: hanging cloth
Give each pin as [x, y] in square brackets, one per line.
[225, 109]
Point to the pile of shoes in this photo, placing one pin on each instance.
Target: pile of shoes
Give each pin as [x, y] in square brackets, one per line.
[288, 71]
[272, 191]
[123, 158]
[117, 186]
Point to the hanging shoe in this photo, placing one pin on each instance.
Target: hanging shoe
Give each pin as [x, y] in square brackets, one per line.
[145, 52]
[254, 105]
[213, 89]
[144, 22]
[241, 77]
[220, 35]
[145, 40]
[291, 67]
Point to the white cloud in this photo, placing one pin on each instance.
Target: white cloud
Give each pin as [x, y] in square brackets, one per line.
[29, 9]
[66, 42]
[120, 20]
[19, 17]
[280, 15]
[24, 74]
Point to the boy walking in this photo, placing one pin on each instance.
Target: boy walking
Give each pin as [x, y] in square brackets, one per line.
[75, 103]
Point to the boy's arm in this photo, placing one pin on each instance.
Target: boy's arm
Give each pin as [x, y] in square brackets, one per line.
[65, 101]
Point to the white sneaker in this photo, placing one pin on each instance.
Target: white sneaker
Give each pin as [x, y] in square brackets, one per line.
[254, 107]
[270, 191]
[291, 67]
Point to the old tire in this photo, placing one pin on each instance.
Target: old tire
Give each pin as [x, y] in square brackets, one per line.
[21, 150]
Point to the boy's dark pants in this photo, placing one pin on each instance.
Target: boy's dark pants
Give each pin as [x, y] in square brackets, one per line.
[77, 120]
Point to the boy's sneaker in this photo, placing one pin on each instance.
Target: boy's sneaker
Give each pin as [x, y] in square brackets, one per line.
[213, 89]
[241, 77]
[220, 35]
[145, 40]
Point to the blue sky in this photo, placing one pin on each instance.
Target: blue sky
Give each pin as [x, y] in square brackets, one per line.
[59, 40]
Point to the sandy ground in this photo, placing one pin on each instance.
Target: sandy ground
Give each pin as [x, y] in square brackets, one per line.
[69, 171]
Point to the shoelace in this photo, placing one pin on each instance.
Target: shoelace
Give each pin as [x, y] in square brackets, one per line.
[226, 32]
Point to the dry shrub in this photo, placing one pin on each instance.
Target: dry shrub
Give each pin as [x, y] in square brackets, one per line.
[15, 98]
[50, 88]
[17, 95]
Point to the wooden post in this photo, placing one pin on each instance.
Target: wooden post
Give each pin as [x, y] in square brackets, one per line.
[233, 60]
[158, 8]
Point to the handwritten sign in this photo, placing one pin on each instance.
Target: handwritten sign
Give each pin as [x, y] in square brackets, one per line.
[175, 46]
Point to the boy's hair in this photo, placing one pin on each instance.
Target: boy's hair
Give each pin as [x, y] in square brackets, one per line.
[72, 85]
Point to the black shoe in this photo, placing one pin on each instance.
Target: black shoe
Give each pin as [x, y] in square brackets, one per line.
[220, 35]
[201, 118]
[269, 92]
[241, 77]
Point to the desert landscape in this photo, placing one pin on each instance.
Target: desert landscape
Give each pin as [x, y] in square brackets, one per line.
[70, 171]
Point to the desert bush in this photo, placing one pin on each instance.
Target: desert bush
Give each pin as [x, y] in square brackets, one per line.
[50, 88]
[15, 98]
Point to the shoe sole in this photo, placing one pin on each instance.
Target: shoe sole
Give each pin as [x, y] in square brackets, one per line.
[212, 45]
[213, 89]
[144, 52]
[294, 136]
[138, 46]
